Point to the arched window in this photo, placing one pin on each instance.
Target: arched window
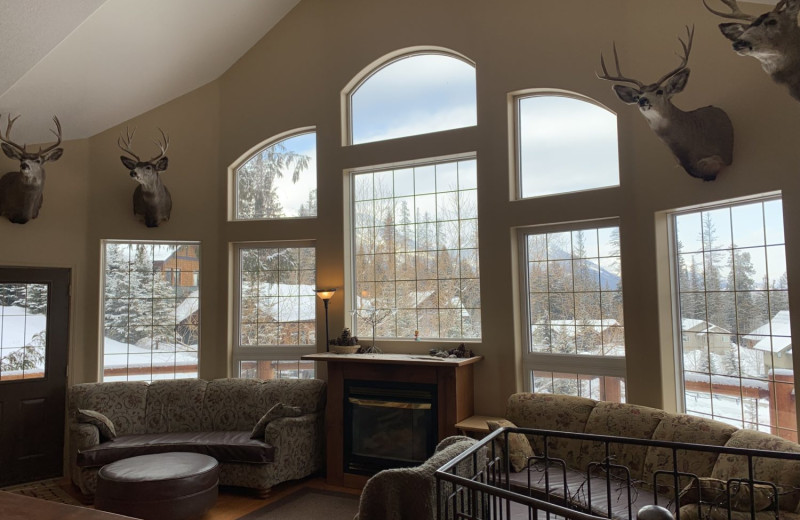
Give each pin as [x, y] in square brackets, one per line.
[277, 179]
[411, 95]
[564, 143]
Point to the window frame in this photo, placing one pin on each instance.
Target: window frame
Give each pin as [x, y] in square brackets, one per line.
[233, 193]
[101, 339]
[675, 294]
[376, 66]
[350, 243]
[241, 353]
[514, 99]
[581, 364]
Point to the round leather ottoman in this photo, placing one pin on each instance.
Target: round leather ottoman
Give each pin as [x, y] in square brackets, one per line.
[173, 486]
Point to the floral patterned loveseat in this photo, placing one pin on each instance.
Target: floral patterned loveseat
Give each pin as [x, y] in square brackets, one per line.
[705, 453]
[212, 417]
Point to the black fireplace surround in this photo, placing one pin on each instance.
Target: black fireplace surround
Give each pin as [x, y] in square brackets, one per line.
[388, 425]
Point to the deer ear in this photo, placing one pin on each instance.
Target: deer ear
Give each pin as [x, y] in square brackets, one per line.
[627, 94]
[161, 165]
[731, 31]
[128, 162]
[53, 155]
[11, 152]
[677, 82]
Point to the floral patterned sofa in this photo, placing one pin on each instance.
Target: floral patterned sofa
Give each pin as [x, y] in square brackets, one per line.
[213, 417]
[650, 463]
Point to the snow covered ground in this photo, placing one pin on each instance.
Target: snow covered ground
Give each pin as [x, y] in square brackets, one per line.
[130, 358]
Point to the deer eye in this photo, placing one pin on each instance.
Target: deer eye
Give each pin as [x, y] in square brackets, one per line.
[772, 22]
[659, 92]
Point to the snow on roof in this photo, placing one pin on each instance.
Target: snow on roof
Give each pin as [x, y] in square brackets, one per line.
[286, 302]
[120, 355]
[777, 326]
[701, 327]
[772, 343]
[188, 306]
[725, 380]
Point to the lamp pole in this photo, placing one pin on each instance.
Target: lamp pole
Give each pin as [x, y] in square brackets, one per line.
[326, 295]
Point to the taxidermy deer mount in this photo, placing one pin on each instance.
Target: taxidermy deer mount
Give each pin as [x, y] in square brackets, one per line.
[772, 38]
[701, 139]
[21, 191]
[151, 200]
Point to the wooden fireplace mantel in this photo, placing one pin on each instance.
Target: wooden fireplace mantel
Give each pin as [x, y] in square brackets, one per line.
[453, 378]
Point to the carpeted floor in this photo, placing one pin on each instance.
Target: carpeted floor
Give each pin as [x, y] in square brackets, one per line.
[44, 489]
[309, 503]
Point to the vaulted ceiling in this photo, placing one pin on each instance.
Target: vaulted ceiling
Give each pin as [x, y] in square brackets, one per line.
[96, 63]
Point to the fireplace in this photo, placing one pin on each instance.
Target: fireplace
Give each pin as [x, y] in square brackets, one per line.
[388, 424]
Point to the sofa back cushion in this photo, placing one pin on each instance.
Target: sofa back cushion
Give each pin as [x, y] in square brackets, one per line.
[238, 404]
[784, 473]
[123, 402]
[684, 428]
[620, 420]
[176, 406]
[564, 413]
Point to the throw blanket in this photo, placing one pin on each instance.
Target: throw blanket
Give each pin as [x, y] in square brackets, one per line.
[410, 493]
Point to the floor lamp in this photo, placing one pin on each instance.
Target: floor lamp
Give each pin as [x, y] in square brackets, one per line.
[326, 295]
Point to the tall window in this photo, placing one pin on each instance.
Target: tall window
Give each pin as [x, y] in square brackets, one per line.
[735, 339]
[565, 143]
[151, 315]
[415, 250]
[574, 327]
[278, 180]
[276, 310]
[411, 95]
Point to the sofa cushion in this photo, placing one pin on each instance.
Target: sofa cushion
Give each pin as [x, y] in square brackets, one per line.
[783, 473]
[519, 448]
[123, 402]
[582, 494]
[176, 406]
[565, 413]
[684, 428]
[223, 446]
[714, 491]
[103, 424]
[620, 420]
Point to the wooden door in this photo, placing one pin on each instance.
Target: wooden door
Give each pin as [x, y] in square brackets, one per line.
[34, 337]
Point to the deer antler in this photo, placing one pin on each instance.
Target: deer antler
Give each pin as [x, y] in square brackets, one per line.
[125, 144]
[619, 76]
[57, 133]
[687, 48]
[736, 13]
[7, 138]
[163, 147]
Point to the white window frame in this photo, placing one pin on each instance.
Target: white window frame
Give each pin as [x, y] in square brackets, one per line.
[101, 339]
[515, 98]
[262, 353]
[677, 333]
[233, 192]
[350, 281]
[375, 67]
[582, 364]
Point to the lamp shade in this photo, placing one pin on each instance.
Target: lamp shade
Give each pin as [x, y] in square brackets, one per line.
[325, 294]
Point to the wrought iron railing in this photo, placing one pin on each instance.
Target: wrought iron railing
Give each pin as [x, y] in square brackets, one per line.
[473, 487]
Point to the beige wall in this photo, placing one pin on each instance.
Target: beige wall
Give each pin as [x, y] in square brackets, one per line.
[294, 77]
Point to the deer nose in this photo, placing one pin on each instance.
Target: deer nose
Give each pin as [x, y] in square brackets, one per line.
[740, 45]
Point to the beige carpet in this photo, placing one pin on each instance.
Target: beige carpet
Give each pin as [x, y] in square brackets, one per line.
[45, 490]
[307, 504]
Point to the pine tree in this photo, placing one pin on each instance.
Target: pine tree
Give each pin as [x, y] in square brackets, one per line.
[256, 191]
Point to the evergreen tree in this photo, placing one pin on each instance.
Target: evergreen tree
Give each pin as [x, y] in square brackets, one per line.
[256, 190]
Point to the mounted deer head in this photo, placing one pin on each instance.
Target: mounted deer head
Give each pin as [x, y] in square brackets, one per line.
[151, 199]
[701, 140]
[772, 38]
[21, 191]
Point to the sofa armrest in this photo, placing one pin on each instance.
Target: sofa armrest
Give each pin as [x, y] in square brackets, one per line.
[298, 444]
[402, 489]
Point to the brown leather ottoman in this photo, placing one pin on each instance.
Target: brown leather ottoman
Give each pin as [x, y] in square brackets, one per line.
[173, 486]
